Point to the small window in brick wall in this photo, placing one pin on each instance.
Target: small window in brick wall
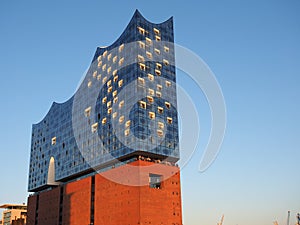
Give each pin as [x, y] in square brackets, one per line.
[155, 181]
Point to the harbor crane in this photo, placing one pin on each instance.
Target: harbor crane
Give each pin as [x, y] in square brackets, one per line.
[222, 219]
[288, 218]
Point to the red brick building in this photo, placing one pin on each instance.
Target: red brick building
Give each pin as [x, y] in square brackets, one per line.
[100, 201]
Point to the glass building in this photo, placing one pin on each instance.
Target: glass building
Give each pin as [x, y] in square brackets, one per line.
[124, 108]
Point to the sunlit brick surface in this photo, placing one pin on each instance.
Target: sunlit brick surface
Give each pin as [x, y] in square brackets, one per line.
[76, 202]
[114, 203]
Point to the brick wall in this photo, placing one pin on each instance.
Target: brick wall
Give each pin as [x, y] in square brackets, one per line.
[31, 209]
[48, 207]
[131, 201]
[77, 202]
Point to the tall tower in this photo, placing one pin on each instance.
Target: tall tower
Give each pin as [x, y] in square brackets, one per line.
[108, 154]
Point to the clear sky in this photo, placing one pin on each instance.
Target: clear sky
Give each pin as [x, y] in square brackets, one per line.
[253, 48]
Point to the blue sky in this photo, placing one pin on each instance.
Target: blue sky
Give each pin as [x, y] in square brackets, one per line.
[253, 49]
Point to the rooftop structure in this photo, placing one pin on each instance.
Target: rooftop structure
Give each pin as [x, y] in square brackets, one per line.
[14, 214]
[14, 206]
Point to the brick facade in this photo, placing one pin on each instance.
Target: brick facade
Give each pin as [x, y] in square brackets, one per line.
[130, 202]
[48, 207]
[76, 202]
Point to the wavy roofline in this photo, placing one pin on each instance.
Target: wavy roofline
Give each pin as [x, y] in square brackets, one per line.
[138, 13]
[53, 106]
[103, 48]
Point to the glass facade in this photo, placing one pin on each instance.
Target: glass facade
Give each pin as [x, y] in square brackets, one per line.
[124, 108]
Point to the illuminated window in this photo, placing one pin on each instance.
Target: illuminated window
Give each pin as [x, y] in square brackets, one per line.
[143, 104]
[115, 99]
[141, 30]
[166, 62]
[159, 87]
[108, 70]
[104, 67]
[108, 104]
[109, 89]
[87, 111]
[169, 120]
[109, 57]
[104, 121]
[161, 125]
[114, 114]
[104, 100]
[105, 54]
[156, 31]
[121, 119]
[166, 49]
[121, 104]
[115, 78]
[157, 38]
[108, 83]
[168, 83]
[151, 91]
[109, 111]
[99, 77]
[126, 132]
[158, 94]
[53, 141]
[89, 84]
[115, 59]
[94, 127]
[127, 124]
[95, 74]
[142, 66]
[157, 51]
[148, 41]
[121, 61]
[150, 99]
[149, 55]
[142, 44]
[160, 110]
[152, 115]
[121, 47]
[158, 66]
[141, 58]
[168, 105]
[157, 72]
[150, 77]
[104, 80]
[99, 64]
[115, 93]
[141, 80]
[160, 133]
[120, 83]
[99, 58]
